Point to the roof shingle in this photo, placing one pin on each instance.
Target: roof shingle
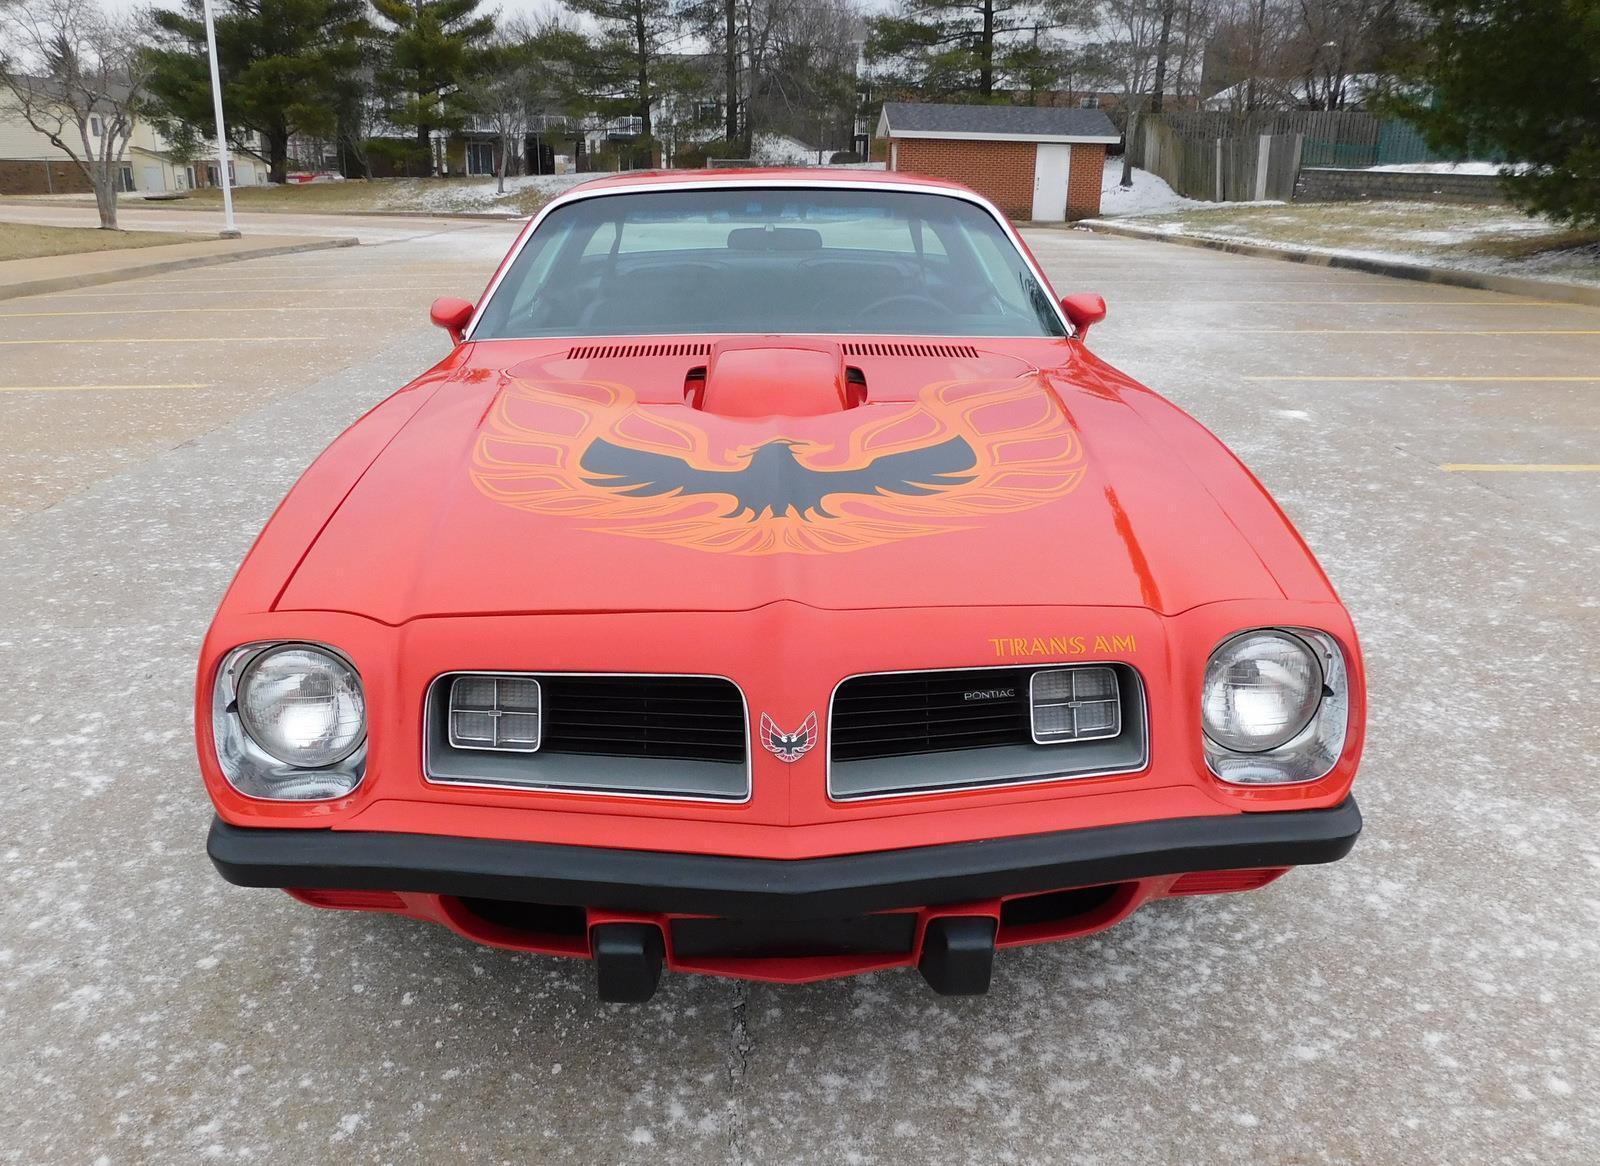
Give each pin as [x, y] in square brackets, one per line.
[1020, 121]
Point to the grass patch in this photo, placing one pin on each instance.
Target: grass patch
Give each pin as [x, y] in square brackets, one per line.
[1575, 237]
[1485, 238]
[355, 196]
[24, 241]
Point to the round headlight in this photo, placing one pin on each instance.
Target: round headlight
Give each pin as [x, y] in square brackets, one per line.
[303, 705]
[1261, 689]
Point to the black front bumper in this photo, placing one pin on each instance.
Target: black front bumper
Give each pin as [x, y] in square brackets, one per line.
[811, 888]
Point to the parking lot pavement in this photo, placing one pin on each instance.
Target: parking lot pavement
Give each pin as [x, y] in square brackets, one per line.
[1434, 998]
[95, 381]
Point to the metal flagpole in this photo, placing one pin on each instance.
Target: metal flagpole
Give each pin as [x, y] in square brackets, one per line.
[229, 231]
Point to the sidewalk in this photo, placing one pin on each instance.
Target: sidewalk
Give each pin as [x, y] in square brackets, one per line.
[53, 273]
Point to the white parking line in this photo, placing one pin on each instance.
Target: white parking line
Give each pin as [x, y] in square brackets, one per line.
[88, 388]
[176, 340]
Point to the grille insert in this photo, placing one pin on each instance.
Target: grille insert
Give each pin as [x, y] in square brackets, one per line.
[894, 715]
[893, 734]
[690, 718]
[643, 735]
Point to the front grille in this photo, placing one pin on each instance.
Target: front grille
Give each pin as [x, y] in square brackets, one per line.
[899, 714]
[690, 718]
[643, 735]
[898, 733]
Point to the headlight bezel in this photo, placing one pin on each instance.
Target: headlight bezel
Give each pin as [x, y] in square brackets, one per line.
[250, 767]
[1315, 749]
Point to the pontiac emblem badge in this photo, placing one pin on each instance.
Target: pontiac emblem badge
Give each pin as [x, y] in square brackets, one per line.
[788, 746]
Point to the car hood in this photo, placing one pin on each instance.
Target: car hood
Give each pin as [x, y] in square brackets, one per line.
[582, 481]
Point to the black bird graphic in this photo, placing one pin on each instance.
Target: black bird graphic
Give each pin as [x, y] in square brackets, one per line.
[774, 481]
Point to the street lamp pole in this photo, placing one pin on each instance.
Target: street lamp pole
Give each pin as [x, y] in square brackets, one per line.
[229, 231]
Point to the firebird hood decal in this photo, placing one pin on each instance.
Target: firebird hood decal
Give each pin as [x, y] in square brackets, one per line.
[498, 498]
[586, 450]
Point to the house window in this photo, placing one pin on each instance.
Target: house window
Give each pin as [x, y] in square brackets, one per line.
[233, 178]
[1092, 101]
[97, 127]
[480, 158]
[211, 174]
[125, 179]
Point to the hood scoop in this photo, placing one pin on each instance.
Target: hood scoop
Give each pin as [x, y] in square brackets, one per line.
[775, 378]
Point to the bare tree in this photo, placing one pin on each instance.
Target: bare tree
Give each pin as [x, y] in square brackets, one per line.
[504, 91]
[76, 76]
[1134, 28]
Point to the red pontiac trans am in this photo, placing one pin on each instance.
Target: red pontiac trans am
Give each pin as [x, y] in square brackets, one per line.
[771, 583]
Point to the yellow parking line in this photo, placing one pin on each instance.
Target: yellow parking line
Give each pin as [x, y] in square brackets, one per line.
[176, 340]
[1408, 331]
[1386, 303]
[190, 311]
[1399, 378]
[1468, 467]
[87, 388]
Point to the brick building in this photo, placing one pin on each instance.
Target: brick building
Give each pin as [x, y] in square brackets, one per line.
[1033, 163]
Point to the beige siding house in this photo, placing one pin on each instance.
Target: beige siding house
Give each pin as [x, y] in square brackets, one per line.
[29, 164]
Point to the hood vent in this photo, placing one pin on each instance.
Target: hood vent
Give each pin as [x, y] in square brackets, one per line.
[625, 351]
[875, 348]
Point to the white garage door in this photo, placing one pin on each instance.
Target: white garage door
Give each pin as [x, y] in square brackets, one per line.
[150, 178]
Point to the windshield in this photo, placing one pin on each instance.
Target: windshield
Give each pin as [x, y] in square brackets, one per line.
[769, 260]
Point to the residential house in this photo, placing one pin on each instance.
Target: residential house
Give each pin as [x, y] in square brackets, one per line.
[30, 164]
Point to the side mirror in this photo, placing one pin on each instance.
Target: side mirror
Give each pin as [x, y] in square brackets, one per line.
[1084, 310]
[452, 315]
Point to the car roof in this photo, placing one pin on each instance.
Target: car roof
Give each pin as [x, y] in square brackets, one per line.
[800, 175]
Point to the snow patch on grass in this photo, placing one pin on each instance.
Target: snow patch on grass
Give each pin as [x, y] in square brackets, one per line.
[1149, 195]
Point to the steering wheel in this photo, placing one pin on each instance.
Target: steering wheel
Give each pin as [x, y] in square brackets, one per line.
[910, 299]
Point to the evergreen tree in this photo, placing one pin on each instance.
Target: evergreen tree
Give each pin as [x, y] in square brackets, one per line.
[621, 70]
[949, 48]
[280, 61]
[426, 57]
[1521, 76]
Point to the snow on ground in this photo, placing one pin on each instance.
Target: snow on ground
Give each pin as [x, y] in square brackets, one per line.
[483, 194]
[1447, 240]
[1443, 168]
[781, 150]
[1149, 195]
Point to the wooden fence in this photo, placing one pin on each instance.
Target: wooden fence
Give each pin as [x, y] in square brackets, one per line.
[1235, 168]
[1341, 139]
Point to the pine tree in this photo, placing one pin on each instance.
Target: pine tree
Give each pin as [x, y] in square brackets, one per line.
[625, 63]
[945, 48]
[280, 62]
[1523, 77]
[426, 57]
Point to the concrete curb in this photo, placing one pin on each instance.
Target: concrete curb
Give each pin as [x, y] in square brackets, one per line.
[1539, 289]
[39, 287]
